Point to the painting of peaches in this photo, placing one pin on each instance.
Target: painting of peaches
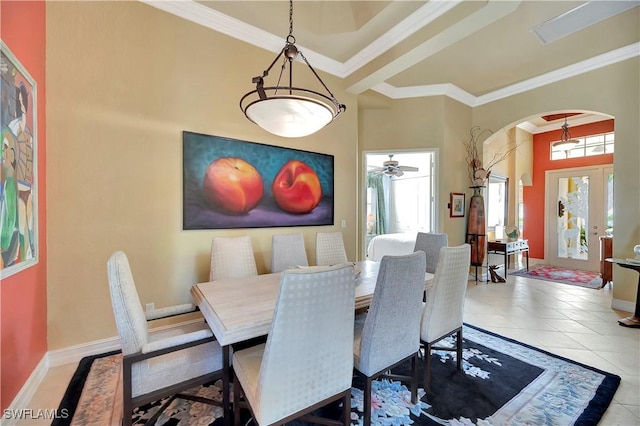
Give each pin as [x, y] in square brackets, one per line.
[228, 183]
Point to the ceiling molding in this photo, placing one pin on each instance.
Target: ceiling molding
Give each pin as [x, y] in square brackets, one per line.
[408, 26]
[468, 99]
[573, 70]
[447, 89]
[494, 10]
[491, 12]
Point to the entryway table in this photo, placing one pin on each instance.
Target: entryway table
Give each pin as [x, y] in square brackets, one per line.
[634, 320]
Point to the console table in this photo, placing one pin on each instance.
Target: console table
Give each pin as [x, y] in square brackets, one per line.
[507, 248]
[634, 320]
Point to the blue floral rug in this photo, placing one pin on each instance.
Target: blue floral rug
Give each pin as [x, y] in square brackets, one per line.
[502, 382]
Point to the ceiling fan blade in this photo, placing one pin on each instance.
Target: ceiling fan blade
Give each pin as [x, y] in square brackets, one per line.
[376, 169]
[408, 168]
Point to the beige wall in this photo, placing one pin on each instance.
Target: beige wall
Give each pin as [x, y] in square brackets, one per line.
[419, 123]
[124, 80]
[612, 90]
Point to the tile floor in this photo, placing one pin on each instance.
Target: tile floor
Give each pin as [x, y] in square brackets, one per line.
[570, 321]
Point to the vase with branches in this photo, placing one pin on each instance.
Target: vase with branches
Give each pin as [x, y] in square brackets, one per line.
[478, 175]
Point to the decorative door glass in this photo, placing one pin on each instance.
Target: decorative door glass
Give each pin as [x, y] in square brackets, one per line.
[573, 217]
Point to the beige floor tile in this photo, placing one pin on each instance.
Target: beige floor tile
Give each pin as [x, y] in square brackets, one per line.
[618, 415]
[628, 392]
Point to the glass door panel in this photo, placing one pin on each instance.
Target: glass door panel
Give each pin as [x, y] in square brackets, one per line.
[573, 217]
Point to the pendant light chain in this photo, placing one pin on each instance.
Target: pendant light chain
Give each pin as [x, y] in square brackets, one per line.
[291, 18]
[288, 110]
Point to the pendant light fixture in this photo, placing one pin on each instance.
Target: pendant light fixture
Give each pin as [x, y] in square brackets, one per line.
[565, 143]
[286, 110]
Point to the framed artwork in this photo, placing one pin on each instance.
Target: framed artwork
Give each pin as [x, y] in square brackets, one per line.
[18, 166]
[456, 204]
[229, 183]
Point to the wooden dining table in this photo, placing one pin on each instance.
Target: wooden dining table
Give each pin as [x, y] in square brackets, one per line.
[241, 309]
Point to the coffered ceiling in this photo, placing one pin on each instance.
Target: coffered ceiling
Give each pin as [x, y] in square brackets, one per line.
[472, 51]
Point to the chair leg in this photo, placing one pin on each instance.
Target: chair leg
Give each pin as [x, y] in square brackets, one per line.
[367, 402]
[127, 403]
[459, 349]
[346, 406]
[427, 367]
[414, 378]
[237, 389]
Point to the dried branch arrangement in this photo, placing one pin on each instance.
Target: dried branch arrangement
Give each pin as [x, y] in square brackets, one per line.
[478, 174]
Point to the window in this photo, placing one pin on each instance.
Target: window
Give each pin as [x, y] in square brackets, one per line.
[496, 201]
[587, 146]
[404, 203]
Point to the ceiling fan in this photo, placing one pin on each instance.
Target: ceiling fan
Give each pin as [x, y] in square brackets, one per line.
[392, 168]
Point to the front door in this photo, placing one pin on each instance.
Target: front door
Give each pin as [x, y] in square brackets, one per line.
[575, 217]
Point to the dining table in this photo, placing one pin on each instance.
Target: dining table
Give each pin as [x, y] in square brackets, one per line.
[241, 309]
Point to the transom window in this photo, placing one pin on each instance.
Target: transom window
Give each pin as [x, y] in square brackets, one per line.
[587, 146]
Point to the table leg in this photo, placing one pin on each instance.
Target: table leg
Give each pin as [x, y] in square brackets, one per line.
[633, 321]
[226, 385]
[506, 263]
[527, 253]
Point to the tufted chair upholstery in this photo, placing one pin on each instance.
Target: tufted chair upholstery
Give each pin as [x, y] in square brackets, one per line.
[390, 332]
[160, 364]
[431, 243]
[330, 248]
[232, 257]
[442, 312]
[307, 360]
[287, 250]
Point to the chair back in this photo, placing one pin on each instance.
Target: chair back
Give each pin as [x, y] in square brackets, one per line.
[391, 330]
[330, 248]
[127, 309]
[232, 257]
[431, 243]
[445, 300]
[309, 351]
[287, 250]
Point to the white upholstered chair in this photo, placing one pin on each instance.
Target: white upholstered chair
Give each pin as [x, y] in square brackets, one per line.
[287, 250]
[431, 243]
[162, 364]
[232, 257]
[390, 332]
[307, 360]
[442, 314]
[330, 248]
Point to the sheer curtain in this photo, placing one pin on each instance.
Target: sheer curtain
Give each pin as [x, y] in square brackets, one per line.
[375, 181]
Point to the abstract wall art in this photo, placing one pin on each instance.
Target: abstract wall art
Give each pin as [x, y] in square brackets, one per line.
[18, 171]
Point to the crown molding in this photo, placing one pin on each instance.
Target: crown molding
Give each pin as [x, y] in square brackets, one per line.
[408, 26]
[573, 70]
[447, 89]
[468, 99]
[217, 21]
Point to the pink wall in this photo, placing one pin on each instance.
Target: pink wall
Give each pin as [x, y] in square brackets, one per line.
[23, 296]
[534, 195]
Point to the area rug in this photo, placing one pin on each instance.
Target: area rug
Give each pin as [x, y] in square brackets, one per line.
[502, 382]
[562, 275]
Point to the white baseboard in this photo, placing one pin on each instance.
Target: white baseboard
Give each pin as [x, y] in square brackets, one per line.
[69, 355]
[27, 391]
[623, 305]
